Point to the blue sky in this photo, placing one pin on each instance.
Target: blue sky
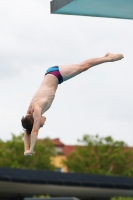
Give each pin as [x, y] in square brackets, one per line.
[98, 101]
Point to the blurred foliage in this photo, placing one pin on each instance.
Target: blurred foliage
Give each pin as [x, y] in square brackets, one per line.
[41, 196]
[105, 156]
[12, 154]
[122, 198]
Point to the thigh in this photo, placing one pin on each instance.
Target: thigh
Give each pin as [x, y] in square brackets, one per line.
[69, 71]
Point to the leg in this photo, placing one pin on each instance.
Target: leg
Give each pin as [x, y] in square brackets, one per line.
[69, 71]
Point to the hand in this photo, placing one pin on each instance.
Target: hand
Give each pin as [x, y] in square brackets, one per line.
[28, 153]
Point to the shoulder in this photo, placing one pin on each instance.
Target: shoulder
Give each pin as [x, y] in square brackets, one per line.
[30, 109]
[36, 111]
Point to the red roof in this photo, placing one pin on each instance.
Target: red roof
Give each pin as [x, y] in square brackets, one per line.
[57, 142]
[68, 149]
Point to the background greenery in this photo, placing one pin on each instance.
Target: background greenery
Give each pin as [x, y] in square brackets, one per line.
[121, 198]
[97, 155]
[12, 154]
[93, 155]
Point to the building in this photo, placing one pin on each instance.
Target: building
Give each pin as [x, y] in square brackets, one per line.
[62, 152]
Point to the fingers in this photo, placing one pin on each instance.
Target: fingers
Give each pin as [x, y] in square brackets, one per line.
[27, 154]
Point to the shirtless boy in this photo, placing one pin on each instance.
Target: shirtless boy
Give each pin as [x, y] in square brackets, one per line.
[44, 96]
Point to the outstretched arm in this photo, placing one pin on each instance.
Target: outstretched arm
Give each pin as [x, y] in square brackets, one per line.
[34, 133]
[26, 141]
[30, 151]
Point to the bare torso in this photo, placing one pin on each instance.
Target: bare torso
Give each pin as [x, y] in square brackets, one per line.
[45, 94]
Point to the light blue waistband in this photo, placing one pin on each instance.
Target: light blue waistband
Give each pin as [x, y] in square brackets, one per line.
[51, 69]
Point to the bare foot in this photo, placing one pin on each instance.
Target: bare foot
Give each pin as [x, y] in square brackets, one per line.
[113, 57]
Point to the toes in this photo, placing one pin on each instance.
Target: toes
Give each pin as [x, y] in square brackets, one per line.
[107, 54]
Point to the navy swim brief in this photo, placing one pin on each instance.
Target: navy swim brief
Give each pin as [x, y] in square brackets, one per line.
[55, 71]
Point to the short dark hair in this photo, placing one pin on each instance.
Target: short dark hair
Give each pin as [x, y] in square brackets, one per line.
[27, 123]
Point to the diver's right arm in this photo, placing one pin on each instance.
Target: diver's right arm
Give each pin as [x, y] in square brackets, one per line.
[36, 126]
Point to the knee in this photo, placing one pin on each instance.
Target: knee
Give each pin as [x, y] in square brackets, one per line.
[83, 67]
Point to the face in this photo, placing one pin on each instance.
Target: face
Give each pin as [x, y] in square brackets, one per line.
[42, 121]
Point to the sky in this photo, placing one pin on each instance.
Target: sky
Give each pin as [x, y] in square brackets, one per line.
[98, 101]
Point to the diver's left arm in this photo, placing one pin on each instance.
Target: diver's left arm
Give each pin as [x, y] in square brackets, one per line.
[34, 135]
[26, 141]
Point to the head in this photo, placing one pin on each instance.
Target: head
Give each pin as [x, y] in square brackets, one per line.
[28, 120]
[27, 123]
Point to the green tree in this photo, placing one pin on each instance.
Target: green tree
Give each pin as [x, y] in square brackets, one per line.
[122, 198]
[12, 154]
[97, 155]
